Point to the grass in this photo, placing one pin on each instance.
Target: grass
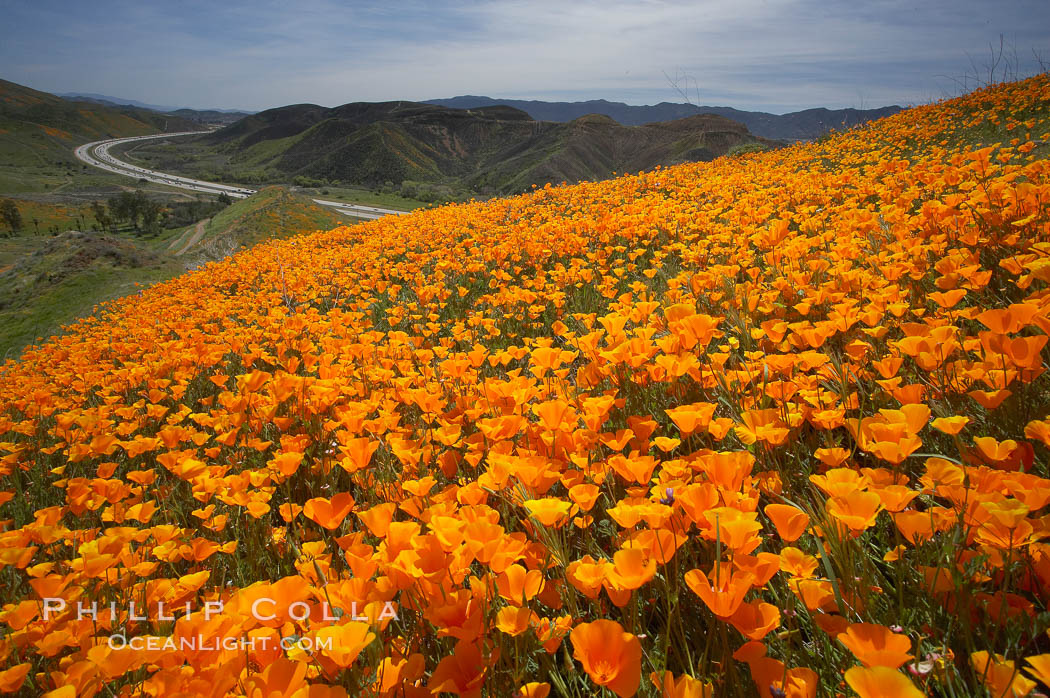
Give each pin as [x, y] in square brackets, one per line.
[53, 216]
[365, 197]
[48, 282]
[272, 213]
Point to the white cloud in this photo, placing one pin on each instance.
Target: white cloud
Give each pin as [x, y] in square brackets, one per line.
[773, 54]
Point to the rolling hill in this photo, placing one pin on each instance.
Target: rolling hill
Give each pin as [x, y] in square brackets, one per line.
[494, 149]
[38, 128]
[794, 126]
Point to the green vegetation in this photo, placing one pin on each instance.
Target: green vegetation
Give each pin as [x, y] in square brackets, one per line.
[274, 212]
[10, 215]
[72, 237]
[49, 279]
[745, 148]
[387, 195]
[48, 282]
[38, 132]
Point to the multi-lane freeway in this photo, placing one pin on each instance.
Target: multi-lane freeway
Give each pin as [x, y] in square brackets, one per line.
[97, 155]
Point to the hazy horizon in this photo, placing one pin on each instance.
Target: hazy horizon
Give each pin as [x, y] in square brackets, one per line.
[751, 54]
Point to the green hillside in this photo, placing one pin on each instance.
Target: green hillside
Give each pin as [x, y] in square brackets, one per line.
[39, 128]
[274, 212]
[47, 282]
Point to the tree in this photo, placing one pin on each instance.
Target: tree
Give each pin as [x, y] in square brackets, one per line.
[101, 215]
[151, 213]
[11, 215]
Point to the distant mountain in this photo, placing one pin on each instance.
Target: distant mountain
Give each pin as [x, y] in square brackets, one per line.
[490, 149]
[106, 99]
[41, 128]
[112, 101]
[800, 125]
[211, 117]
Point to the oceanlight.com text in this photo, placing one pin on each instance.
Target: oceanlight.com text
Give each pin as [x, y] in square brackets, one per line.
[198, 643]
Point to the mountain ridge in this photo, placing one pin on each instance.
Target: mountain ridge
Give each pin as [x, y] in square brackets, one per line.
[124, 101]
[800, 125]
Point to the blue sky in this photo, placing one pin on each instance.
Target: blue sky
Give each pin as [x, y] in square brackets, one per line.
[772, 55]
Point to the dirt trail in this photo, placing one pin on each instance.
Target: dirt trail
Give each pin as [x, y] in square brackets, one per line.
[198, 233]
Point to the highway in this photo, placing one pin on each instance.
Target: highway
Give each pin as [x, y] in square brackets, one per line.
[97, 155]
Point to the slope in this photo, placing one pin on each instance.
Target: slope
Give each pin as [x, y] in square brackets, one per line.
[274, 212]
[775, 424]
[50, 282]
[47, 282]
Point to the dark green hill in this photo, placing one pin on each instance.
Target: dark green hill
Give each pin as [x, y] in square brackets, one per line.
[495, 149]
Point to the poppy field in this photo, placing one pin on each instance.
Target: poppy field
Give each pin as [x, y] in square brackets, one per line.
[774, 425]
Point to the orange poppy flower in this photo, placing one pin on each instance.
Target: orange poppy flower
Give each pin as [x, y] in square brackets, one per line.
[1040, 667]
[513, 620]
[12, 679]
[611, 657]
[584, 495]
[549, 511]
[881, 682]
[329, 513]
[857, 510]
[343, 643]
[632, 568]
[357, 454]
[755, 619]
[684, 686]
[791, 522]
[692, 418]
[518, 585]
[378, 518]
[1000, 675]
[724, 594]
[587, 575]
[283, 677]
[462, 673]
[771, 675]
[533, 689]
[876, 645]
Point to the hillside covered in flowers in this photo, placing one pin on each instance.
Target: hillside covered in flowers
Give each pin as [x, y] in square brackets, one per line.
[775, 425]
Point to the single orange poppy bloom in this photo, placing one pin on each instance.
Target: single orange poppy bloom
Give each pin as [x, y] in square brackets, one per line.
[876, 645]
[791, 522]
[610, 656]
[724, 594]
[881, 682]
